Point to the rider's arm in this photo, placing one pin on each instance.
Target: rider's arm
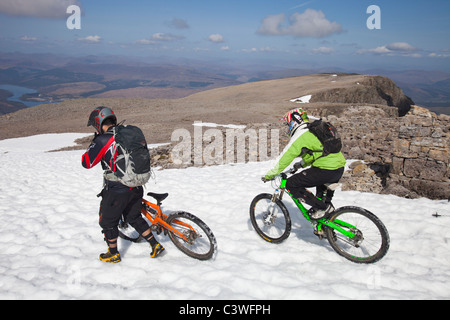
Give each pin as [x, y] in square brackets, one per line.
[97, 150]
[292, 151]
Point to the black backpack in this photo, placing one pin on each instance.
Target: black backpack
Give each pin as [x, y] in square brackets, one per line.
[328, 136]
[131, 156]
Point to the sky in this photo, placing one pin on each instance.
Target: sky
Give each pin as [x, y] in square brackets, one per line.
[302, 34]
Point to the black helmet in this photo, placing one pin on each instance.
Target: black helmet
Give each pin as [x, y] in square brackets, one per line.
[99, 115]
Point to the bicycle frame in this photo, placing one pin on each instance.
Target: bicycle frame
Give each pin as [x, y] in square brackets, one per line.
[320, 223]
[160, 219]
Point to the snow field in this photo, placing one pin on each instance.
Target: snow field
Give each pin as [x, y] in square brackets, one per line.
[50, 239]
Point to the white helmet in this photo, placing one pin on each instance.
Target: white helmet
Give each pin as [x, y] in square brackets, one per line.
[294, 119]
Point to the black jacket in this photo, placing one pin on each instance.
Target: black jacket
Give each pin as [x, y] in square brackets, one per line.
[102, 150]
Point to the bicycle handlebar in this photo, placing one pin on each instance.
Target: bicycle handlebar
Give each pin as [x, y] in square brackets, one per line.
[283, 175]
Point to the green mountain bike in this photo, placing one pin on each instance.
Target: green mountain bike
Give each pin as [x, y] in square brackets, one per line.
[353, 232]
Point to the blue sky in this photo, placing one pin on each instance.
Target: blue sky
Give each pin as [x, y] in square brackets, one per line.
[302, 33]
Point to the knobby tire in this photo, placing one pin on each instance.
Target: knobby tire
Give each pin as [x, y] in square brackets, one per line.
[280, 228]
[202, 248]
[375, 243]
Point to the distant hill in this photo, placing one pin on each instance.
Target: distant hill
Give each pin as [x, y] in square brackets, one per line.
[58, 78]
[256, 102]
[66, 78]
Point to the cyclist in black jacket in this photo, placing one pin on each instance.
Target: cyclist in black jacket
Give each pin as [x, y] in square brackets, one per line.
[117, 199]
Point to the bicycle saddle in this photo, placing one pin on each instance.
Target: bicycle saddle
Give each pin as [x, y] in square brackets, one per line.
[158, 196]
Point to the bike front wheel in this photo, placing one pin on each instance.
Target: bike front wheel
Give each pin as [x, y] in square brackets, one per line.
[371, 241]
[201, 243]
[270, 219]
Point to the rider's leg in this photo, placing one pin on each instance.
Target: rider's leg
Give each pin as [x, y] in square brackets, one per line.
[132, 215]
[329, 196]
[110, 212]
[321, 192]
[324, 193]
[309, 178]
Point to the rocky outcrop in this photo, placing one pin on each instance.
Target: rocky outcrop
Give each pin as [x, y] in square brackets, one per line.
[375, 90]
[410, 154]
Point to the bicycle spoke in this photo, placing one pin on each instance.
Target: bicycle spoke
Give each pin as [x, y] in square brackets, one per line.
[195, 238]
[267, 218]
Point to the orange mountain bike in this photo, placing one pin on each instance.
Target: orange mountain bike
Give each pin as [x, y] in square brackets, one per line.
[189, 234]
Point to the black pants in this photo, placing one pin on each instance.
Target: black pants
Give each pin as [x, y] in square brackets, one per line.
[116, 204]
[313, 177]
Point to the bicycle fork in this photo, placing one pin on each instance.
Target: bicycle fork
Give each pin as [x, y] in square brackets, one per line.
[271, 210]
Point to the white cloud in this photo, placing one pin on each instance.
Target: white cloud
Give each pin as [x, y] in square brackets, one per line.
[158, 38]
[255, 50]
[400, 46]
[250, 50]
[393, 49]
[216, 38]
[91, 39]
[166, 37]
[439, 55]
[145, 42]
[323, 50]
[178, 24]
[271, 25]
[311, 23]
[377, 50]
[54, 9]
[267, 49]
[27, 38]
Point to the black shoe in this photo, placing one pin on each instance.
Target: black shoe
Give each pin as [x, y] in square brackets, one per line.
[157, 249]
[319, 214]
[109, 257]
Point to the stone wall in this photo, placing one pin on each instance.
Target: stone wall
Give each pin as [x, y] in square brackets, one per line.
[410, 154]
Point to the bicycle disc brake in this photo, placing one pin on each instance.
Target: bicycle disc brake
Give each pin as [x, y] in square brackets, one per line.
[358, 239]
[269, 216]
[191, 236]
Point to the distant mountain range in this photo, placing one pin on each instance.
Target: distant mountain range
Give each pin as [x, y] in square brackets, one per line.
[58, 78]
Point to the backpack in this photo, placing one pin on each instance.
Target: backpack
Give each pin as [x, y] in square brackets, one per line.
[131, 164]
[328, 136]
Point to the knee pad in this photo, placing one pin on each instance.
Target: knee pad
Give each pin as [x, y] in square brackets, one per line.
[111, 233]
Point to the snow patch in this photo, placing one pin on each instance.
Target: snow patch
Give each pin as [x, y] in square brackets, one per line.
[304, 99]
[41, 143]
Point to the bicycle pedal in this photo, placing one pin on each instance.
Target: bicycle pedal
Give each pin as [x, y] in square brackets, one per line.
[320, 234]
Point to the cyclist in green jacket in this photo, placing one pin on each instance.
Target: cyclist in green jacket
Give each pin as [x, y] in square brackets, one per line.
[323, 169]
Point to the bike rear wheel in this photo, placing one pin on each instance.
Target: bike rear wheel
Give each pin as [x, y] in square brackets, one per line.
[371, 242]
[201, 242]
[270, 219]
